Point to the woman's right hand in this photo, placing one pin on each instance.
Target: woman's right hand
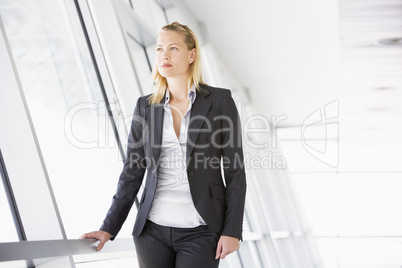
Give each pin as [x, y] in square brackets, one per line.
[102, 236]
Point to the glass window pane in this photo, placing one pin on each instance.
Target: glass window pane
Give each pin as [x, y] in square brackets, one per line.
[267, 252]
[158, 14]
[141, 65]
[143, 9]
[127, 2]
[8, 231]
[68, 111]
[256, 211]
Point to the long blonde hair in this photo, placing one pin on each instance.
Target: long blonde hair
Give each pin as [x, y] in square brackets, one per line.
[195, 68]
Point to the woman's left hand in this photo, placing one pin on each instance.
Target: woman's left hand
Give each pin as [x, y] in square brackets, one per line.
[226, 245]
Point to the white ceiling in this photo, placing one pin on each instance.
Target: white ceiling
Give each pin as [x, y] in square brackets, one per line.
[371, 73]
[285, 52]
[297, 56]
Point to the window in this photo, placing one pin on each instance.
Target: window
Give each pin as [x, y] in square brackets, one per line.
[8, 231]
[68, 110]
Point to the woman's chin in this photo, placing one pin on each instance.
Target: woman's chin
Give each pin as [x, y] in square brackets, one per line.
[165, 74]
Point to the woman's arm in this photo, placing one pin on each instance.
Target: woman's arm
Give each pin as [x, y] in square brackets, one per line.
[234, 172]
[129, 182]
[131, 177]
[235, 178]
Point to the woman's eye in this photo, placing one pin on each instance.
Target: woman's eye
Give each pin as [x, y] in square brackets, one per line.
[173, 48]
[159, 49]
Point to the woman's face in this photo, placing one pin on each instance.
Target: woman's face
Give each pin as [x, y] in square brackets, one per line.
[172, 56]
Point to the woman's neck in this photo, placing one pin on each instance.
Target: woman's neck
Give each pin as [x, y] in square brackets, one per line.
[178, 88]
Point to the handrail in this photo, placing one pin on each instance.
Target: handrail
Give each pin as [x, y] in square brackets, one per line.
[28, 250]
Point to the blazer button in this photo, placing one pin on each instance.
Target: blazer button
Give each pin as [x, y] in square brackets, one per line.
[190, 174]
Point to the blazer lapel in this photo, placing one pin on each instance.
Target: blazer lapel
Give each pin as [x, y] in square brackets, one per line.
[198, 116]
[155, 114]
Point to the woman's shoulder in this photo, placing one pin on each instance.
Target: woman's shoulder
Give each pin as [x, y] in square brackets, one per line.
[143, 101]
[217, 91]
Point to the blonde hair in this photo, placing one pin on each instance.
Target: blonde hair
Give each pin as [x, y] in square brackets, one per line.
[195, 69]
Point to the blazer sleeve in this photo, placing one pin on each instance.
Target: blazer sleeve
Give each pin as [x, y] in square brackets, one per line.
[233, 167]
[131, 176]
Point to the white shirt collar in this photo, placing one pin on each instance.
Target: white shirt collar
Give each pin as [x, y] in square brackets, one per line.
[191, 95]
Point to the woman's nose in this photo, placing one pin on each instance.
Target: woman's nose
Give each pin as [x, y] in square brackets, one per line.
[165, 55]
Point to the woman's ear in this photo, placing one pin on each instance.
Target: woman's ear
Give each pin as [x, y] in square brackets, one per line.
[192, 55]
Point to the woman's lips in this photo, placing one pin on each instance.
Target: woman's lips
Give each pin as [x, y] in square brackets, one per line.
[166, 65]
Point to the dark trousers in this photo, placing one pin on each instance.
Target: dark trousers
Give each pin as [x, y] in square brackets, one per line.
[167, 247]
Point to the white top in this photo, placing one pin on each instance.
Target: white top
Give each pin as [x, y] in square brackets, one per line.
[172, 205]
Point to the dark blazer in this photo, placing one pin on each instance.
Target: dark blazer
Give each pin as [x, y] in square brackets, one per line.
[214, 136]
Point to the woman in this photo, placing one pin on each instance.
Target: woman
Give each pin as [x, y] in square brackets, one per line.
[182, 135]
